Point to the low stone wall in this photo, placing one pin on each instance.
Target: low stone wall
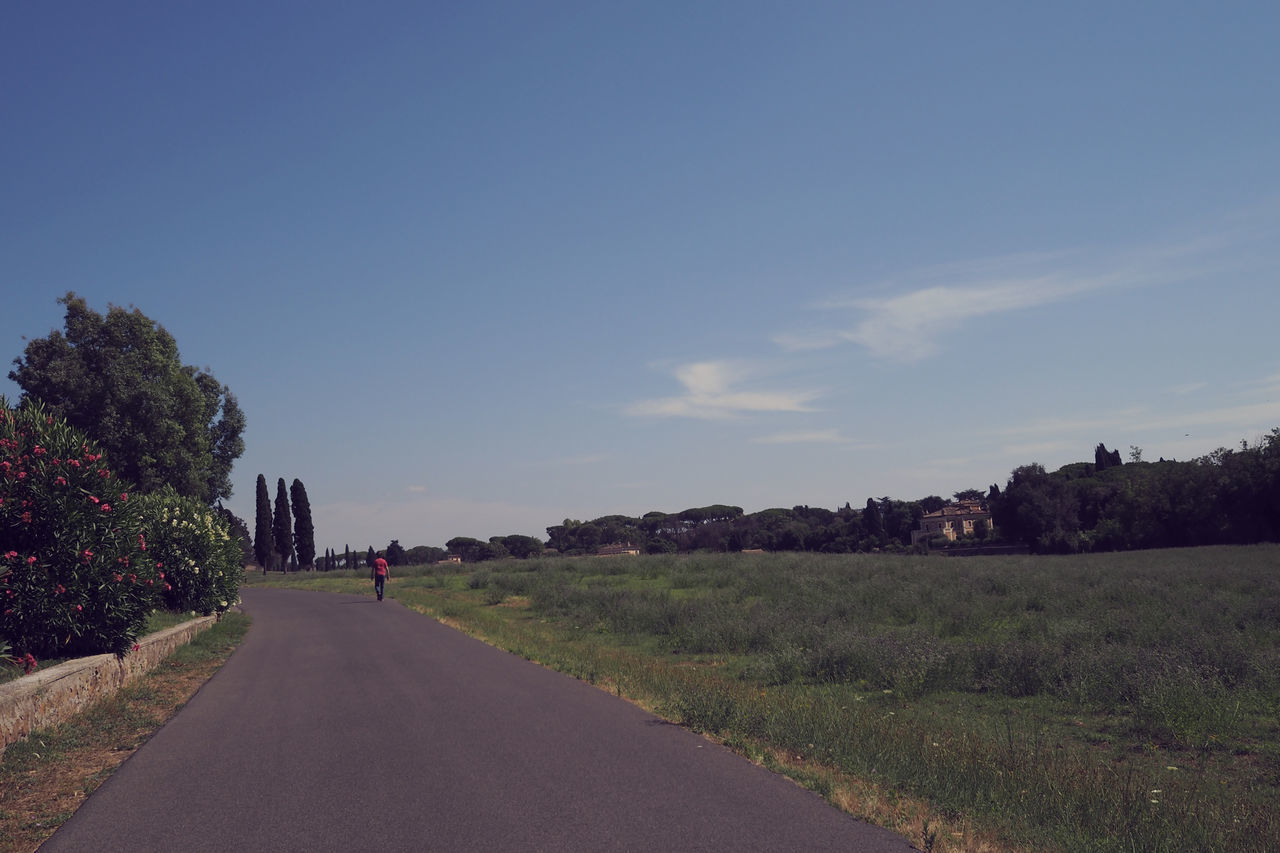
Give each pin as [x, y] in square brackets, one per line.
[47, 697]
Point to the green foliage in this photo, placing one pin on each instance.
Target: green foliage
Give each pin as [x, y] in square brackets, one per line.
[239, 532]
[193, 551]
[263, 541]
[281, 523]
[120, 380]
[73, 577]
[304, 533]
[1227, 497]
[396, 553]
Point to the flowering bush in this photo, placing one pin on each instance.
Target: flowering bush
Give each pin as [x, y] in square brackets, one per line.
[198, 561]
[71, 578]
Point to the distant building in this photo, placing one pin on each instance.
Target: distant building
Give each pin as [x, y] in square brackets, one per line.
[449, 558]
[951, 521]
[617, 549]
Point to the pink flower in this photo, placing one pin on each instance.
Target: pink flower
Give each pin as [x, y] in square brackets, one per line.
[95, 500]
[79, 607]
[136, 647]
[11, 555]
[61, 481]
[38, 450]
[106, 507]
[124, 496]
[30, 560]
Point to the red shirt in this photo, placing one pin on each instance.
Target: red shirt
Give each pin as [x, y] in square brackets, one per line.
[380, 567]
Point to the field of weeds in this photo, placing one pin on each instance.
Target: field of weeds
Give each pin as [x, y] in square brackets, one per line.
[1102, 702]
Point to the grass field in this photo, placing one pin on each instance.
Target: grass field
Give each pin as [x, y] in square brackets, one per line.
[1103, 702]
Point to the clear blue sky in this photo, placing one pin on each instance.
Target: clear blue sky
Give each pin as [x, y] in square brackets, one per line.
[473, 268]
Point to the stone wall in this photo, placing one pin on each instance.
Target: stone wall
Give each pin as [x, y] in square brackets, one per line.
[47, 697]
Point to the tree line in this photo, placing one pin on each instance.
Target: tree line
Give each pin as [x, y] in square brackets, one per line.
[1228, 496]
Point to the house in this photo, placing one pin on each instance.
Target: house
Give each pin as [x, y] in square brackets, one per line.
[617, 549]
[449, 558]
[951, 521]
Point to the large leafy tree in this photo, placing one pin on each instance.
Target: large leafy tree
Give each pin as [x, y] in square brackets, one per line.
[263, 543]
[119, 378]
[280, 524]
[304, 533]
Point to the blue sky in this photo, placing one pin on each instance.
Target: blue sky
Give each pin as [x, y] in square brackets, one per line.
[475, 268]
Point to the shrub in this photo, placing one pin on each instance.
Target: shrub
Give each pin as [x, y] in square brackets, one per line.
[73, 576]
[198, 560]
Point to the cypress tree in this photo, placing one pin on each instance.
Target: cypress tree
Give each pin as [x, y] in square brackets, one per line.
[346, 557]
[370, 557]
[280, 527]
[263, 545]
[304, 533]
[871, 520]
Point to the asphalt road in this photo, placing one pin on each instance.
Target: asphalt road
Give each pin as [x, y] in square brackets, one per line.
[346, 724]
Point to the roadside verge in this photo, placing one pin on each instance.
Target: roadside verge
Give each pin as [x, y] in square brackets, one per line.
[48, 697]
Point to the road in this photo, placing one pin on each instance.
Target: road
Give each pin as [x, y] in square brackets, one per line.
[342, 723]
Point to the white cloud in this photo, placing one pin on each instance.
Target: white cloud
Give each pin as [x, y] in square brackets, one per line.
[709, 394]
[415, 489]
[927, 304]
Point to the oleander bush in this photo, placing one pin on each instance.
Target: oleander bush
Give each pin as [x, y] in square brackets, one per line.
[74, 578]
[192, 550]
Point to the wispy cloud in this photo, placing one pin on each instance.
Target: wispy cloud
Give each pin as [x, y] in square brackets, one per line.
[925, 305]
[417, 490]
[711, 392]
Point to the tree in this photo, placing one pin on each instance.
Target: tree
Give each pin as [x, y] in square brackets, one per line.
[263, 544]
[304, 533]
[1104, 459]
[395, 553]
[369, 557]
[346, 557]
[119, 378]
[871, 522]
[521, 546]
[465, 547]
[280, 531]
[240, 532]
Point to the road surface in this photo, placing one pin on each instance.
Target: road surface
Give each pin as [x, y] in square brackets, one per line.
[346, 724]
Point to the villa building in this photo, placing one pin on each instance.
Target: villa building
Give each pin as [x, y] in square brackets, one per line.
[952, 522]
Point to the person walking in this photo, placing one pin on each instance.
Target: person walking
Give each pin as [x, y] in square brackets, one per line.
[380, 574]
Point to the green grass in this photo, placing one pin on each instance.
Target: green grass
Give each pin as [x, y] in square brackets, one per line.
[1101, 702]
